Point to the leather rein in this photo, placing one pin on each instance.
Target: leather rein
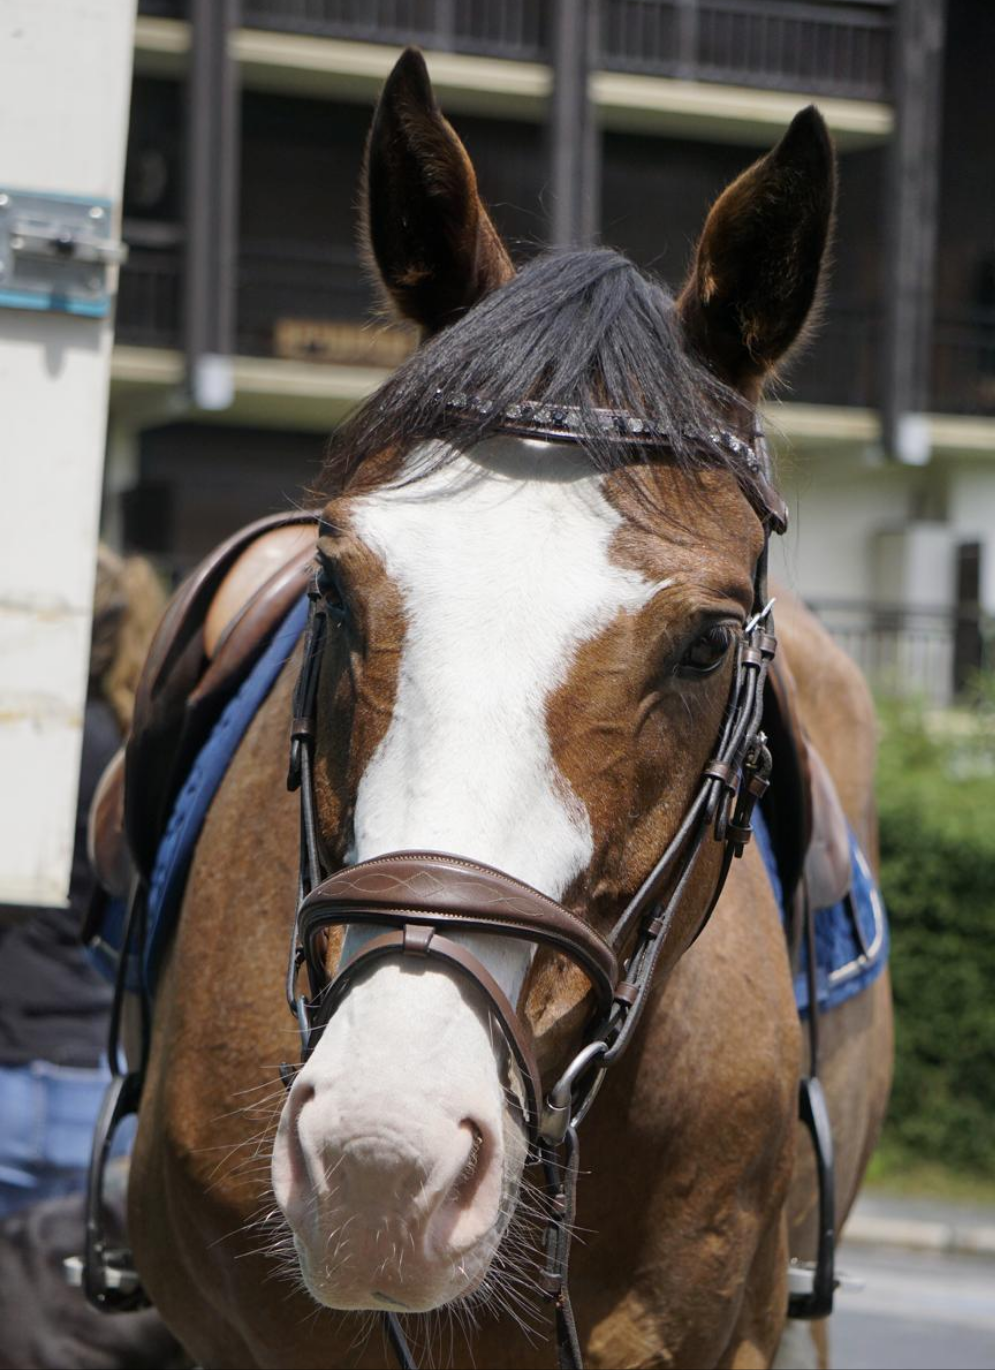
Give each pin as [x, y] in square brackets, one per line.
[420, 898]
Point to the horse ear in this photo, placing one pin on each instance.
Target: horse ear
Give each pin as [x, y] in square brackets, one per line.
[433, 245]
[757, 266]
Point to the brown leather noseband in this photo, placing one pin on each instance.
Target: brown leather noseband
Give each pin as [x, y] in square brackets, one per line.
[420, 895]
[418, 900]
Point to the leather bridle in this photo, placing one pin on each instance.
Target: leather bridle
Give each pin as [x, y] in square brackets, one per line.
[421, 897]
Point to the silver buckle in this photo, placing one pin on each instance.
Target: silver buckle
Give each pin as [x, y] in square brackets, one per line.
[558, 1106]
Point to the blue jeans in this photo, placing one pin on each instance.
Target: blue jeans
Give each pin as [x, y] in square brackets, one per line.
[47, 1117]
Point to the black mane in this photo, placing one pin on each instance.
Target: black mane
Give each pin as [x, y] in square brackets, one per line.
[584, 329]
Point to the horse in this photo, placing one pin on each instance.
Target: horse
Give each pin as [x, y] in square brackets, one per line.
[531, 648]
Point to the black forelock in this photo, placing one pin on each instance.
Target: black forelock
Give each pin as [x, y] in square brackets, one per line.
[582, 328]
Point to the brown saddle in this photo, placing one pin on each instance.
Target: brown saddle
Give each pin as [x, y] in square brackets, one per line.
[216, 627]
[197, 661]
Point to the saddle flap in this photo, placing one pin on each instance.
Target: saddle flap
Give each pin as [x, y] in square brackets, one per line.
[827, 871]
[808, 828]
[787, 805]
[106, 844]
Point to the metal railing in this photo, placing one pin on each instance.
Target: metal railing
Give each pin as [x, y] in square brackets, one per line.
[964, 363]
[832, 47]
[163, 9]
[295, 281]
[912, 652]
[514, 29]
[150, 295]
[286, 282]
[841, 364]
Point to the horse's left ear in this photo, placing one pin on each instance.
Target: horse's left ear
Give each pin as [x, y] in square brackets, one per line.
[757, 266]
[434, 246]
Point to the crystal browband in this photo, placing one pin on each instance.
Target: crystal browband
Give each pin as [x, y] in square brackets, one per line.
[571, 421]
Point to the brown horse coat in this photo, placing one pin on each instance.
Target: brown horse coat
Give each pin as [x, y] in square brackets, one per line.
[688, 1150]
[696, 1188]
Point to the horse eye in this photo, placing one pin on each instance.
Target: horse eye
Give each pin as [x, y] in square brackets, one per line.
[706, 652]
[330, 589]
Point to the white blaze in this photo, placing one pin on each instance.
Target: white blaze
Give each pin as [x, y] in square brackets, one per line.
[502, 561]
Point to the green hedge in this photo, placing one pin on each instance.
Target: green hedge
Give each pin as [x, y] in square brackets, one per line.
[936, 795]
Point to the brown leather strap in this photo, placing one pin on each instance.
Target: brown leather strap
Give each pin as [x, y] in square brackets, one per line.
[419, 940]
[420, 887]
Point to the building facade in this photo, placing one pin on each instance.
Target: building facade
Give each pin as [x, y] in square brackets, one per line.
[246, 327]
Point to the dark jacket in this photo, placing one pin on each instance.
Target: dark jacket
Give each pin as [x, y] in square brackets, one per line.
[53, 1005]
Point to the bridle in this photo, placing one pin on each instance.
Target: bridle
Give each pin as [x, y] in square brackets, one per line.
[421, 897]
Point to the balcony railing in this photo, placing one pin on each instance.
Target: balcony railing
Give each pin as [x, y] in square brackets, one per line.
[284, 284]
[831, 47]
[301, 301]
[964, 363]
[163, 9]
[293, 296]
[840, 366]
[515, 29]
[909, 652]
[149, 300]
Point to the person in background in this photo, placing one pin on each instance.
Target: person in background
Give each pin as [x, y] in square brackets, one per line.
[54, 1007]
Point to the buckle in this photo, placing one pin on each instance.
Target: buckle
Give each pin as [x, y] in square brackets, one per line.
[557, 1108]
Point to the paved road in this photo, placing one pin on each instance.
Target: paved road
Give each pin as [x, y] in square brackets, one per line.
[917, 1311]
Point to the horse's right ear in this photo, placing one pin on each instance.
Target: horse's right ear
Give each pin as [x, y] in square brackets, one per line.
[757, 266]
[433, 245]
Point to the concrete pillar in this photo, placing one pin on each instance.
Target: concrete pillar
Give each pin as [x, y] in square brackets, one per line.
[212, 157]
[913, 190]
[574, 135]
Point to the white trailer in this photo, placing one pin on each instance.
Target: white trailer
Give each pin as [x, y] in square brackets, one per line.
[65, 83]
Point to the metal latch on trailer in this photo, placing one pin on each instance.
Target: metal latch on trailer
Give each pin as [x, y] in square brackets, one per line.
[57, 252]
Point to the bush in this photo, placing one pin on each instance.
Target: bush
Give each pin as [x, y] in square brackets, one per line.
[936, 795]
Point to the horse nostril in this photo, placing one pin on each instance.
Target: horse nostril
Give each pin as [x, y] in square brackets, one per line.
[291, 1176]
[467, 1182]
[302, 1095]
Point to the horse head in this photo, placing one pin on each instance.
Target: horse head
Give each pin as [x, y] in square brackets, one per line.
[532, 650]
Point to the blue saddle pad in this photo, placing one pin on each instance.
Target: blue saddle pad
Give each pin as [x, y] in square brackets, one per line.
[176, 849]
[851, 939]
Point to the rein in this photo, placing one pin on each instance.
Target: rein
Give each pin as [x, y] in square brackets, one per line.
[421, 896]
